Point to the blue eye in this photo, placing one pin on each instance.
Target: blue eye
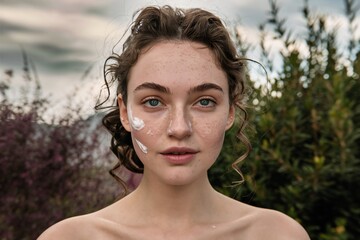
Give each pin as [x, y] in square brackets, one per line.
[152, 103]
[206, 102]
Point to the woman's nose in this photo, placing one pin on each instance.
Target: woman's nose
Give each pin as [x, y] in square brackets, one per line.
[179, 125]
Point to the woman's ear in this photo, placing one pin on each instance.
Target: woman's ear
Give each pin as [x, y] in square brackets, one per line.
[231, 117]
[123, 113]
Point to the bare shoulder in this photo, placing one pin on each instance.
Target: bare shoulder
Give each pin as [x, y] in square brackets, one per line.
[271, 224]
[249, 222]
[97, 225]
[71, 228]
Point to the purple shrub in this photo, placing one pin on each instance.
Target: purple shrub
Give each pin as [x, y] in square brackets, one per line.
[48, 171]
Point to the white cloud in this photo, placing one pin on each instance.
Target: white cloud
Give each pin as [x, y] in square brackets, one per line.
[57, 26]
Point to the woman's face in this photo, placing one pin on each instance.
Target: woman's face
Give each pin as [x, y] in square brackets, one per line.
[177, 111]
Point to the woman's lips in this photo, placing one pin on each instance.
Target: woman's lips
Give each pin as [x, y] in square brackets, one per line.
[179, 156]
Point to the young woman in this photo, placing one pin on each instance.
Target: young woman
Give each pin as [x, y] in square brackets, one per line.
[180, 85]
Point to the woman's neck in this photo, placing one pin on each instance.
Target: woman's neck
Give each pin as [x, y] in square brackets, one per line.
[175, 205]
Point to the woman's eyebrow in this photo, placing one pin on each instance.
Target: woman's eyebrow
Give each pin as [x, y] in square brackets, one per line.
[163, 89]
[154, 86]
[206, 86]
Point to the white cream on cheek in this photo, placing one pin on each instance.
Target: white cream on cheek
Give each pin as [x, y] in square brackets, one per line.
[135, 122]
[142, 147]
[150, 132]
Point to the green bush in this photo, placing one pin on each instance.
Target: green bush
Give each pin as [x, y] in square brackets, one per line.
[305, 133]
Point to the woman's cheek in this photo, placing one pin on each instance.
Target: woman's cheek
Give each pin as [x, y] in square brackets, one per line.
[212, 133]
[209, 128]
[145, 138]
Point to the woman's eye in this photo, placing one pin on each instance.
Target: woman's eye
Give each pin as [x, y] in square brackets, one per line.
[152, 103]
[206, 102]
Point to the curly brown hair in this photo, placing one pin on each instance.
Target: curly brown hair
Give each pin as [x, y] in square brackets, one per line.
[154, 24]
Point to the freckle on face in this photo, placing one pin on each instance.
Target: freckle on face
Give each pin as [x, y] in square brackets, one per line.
[208, 128]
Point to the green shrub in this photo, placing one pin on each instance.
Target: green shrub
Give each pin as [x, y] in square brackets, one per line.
[305, 133]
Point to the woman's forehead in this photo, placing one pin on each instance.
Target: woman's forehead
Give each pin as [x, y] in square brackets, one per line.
[176, 61]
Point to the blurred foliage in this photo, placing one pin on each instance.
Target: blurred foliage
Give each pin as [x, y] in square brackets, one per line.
[48, 170]
[305, 131]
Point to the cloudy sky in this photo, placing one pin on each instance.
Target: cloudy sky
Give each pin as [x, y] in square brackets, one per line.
[64, 38]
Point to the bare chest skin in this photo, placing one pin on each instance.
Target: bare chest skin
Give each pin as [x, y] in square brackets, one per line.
[243, 222]
[225, 219]
[104, 229]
